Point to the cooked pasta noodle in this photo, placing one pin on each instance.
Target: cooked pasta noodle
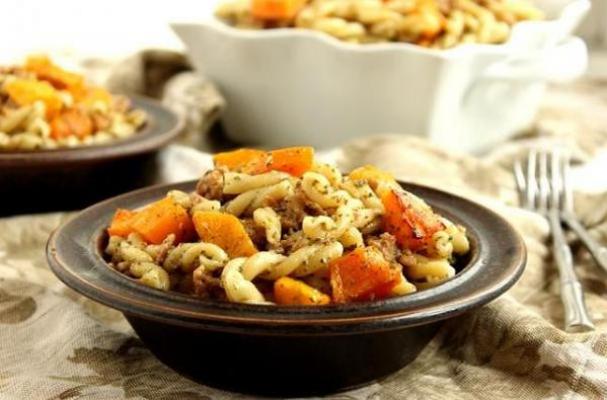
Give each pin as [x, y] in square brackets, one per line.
[239, 205]
[271, 195]
[295, 260]
[267, 218]
[419, 267]
[181, 198]
[363, 192]
[325, 228]
[249, 201]
[459, 240]
[352, 237]
[189, 256]
[443, 244]
[238, 289]
[330, 172]
[320, 260]
[151, 275]
[128, 256]
[200, 203]
[236, 183]
[259, 263]
[404, 287]
[318, 189]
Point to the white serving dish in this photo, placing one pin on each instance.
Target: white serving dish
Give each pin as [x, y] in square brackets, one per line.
[292, 86]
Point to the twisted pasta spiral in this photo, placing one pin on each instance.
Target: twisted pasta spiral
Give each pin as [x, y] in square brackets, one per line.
[251, 200]
[237, 183]
[151, 275]
[127, 256]
[238, 289]
[305, 261]
[430, 270]
[189, 256]
[330, 172]
[267, 218]
[193, 202]
[238, 273]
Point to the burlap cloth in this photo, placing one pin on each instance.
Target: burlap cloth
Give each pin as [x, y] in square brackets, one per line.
[55, 344]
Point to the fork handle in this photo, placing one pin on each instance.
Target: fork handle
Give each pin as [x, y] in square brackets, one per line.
[598, 252]
[572, 296]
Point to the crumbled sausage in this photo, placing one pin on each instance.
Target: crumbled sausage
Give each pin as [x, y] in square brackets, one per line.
[294, 208]
[210, 186]
[386, 243]
[206, 285]
[255, 232]
[293, 242]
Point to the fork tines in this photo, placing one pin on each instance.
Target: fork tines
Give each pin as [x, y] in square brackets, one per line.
[543, 181]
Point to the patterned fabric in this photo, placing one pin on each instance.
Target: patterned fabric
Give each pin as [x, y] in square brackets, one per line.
[58, 345]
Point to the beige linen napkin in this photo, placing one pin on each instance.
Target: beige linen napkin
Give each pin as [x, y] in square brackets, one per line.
[55, 344]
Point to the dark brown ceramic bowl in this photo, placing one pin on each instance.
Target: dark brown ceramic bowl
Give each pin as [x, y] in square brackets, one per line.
[287, 351]
[63, 179]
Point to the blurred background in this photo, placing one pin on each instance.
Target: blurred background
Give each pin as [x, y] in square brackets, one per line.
[115, 28]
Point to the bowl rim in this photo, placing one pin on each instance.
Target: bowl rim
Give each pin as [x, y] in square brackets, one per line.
[574, 9]
[500, 256]
[162, 125]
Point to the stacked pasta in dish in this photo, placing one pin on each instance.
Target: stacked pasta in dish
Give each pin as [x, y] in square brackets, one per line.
[43, 106]
[278, 227]
[430, 23]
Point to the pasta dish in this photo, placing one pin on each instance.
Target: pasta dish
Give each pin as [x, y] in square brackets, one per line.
[278, 227]
[430, 23]
[43, 106]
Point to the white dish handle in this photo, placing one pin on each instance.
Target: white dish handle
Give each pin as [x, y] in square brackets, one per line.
[561, 63]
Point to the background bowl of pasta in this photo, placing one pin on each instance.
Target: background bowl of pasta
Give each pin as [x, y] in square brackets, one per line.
[198, 308]
[70, 178]
[311, 83]
[65, 143]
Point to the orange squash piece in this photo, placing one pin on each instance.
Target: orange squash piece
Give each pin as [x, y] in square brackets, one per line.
[410, 220]
[61, 79]
[276, 9]
[371, 173]
[162, 218]
[250, 161]
[362, 274]
[71, 123]
[224, 230]
[376, 178]
[26, 92]
[289, 291]
[292, 160]
[94, 95]
[434, 21]
[122, 222]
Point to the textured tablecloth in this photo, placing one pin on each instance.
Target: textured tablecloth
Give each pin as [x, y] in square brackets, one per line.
[55, 344]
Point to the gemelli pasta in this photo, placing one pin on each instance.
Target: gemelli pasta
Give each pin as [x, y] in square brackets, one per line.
[431, 23]
[293, 232]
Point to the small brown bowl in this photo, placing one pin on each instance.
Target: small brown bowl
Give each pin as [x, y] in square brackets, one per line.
[288, 351]
[65, 179]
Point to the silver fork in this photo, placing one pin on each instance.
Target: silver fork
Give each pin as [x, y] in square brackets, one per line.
[542, 189]
[598, 252]
[567, 213]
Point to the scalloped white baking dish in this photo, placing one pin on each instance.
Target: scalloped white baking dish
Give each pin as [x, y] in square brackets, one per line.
[292, 86]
